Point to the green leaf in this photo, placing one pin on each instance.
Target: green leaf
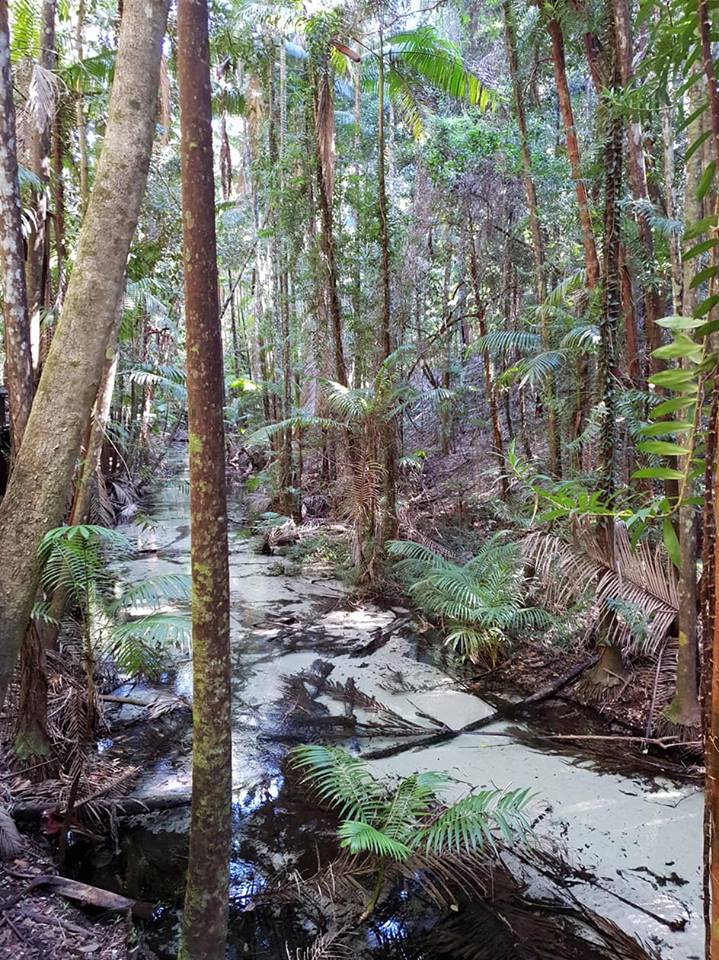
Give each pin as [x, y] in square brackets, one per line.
[674, 379]
[360, 837]
[706, 180]
[657, 473]
[676, 322]
[671, 406]
[667, 426]
[663, 448]
[706, 306]
[698, 249]
[700, 227]
[681, 346]
[699, 278]
[671, 541]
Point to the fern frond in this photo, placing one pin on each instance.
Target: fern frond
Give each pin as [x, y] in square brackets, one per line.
[340, 780]
[361, 837]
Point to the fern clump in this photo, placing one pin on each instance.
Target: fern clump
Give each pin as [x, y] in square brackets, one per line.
[124, 624]
[481, 604]
[409, 821]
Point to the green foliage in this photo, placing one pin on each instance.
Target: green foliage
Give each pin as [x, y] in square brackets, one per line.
[408, 821]
[481, 604]
[123, 623]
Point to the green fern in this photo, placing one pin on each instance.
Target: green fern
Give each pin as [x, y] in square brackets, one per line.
[409, 822]
[76, 561]
[480, 604]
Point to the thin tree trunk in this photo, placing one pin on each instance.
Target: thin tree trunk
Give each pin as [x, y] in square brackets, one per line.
[18, 361]
[37, 262]
[36, 497]
[389, 514]
[570, 134]
[538, 249]
[637, 177]
[479, 307]
[80, 114]
[611, 286]
[711, 525]
[204, 921]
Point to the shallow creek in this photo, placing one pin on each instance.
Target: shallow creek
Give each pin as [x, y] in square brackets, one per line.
[631, 836]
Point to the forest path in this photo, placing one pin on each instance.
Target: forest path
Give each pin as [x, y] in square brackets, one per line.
[638, 836]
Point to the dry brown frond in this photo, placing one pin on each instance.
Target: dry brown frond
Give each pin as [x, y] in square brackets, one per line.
[642, 578]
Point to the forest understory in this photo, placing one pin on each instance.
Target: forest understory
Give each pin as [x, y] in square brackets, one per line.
[359, 419]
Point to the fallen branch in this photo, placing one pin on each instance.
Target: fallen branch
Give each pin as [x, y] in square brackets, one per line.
[506, 713]
[82, 892]
[560, 683]
[127, 807]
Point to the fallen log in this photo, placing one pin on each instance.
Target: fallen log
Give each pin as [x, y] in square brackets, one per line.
[83, 893]
[505, 713]
[127, 807]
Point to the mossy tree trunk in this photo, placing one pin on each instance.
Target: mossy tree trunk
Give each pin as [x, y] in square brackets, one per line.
[36, 498]
[204, 923]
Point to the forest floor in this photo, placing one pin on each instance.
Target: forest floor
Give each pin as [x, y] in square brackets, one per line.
[37, 924]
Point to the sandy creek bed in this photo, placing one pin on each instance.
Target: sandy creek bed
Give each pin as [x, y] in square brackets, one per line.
[639, 836]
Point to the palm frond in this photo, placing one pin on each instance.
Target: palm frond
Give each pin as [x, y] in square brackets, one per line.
[339, 780]
[471, 823]
[361, 837]
[499, 342]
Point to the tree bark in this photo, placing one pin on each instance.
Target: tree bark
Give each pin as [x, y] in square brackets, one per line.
[38, 260]
[204, 922]
[18, 362]
[637, 177]
[538, 248]
[611, 281]
[570, 133]
[36, 497]
[387, 439]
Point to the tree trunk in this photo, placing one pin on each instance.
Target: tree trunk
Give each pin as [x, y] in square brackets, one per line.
[538, 250]
[480, 309]
[711, 524]
[18, 362]
[637, 177]
[204, 922]
[36, 497]
[611, 283]
[570, 133]
[38, 260]
[387, 440]
[80, 114]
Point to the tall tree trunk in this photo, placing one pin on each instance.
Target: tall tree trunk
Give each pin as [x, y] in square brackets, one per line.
[204, 922]
[387, 439]
[38, 260]
[480, 309]
[36, 497]
[18, 362]
[538, 249]
[684, 709]
[637, 177]
[711, 525]
[80, 114]
[324, 144]
[570, 134]
[611, 280]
